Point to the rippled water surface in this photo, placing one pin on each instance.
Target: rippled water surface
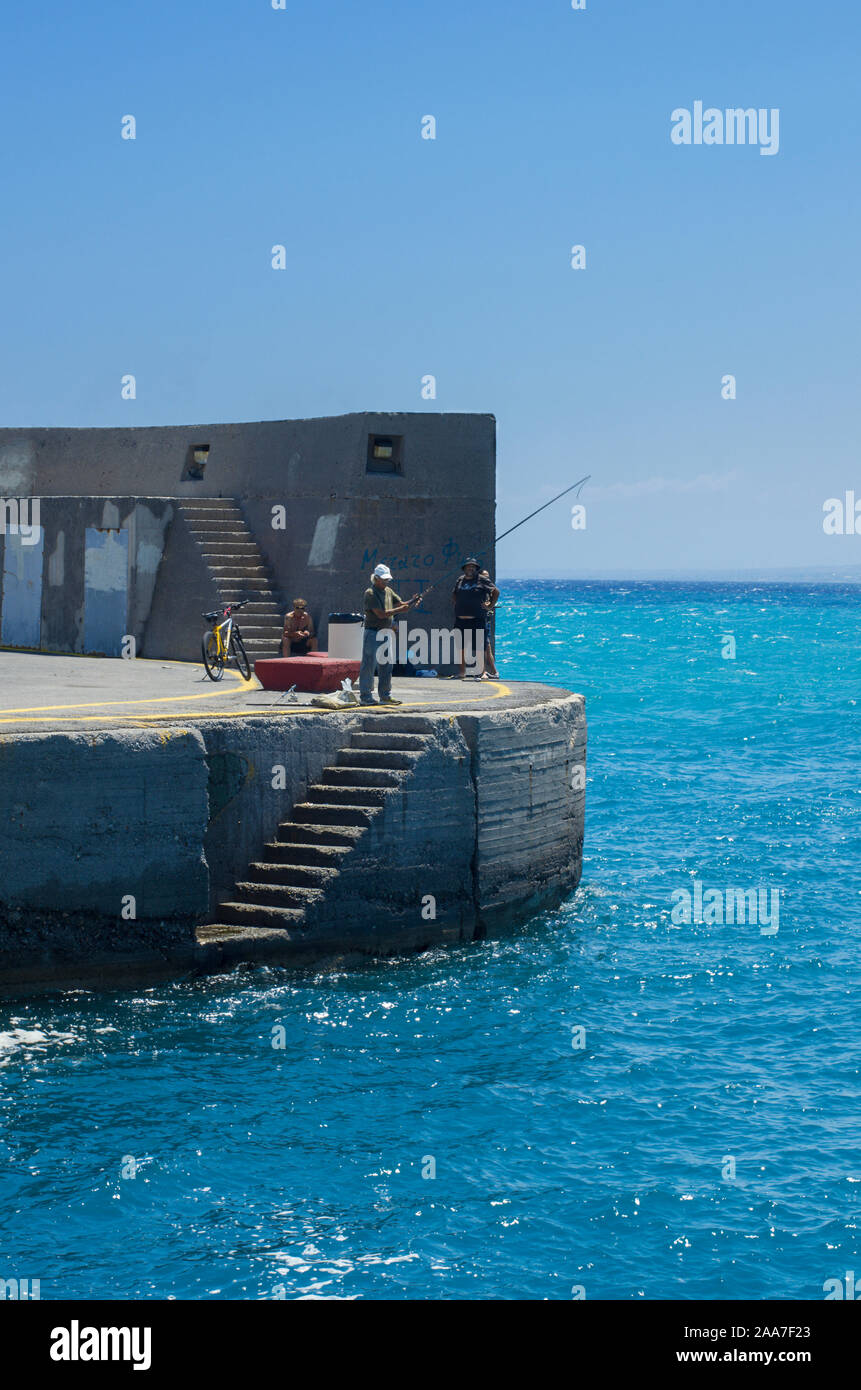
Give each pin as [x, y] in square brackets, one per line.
[298, 1171]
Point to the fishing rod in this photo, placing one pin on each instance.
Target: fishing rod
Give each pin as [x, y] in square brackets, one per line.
[497, 539]
[541, 509]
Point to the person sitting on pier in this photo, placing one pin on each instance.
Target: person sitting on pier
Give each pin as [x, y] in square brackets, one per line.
[474, 597]
[298, 637]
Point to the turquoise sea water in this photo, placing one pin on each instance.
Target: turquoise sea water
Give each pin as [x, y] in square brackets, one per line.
[298, 1172]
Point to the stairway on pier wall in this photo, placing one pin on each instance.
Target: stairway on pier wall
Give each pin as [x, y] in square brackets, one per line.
[389, 822]
[479, 811]
[238, 571]
[184, 591]
[485, 819]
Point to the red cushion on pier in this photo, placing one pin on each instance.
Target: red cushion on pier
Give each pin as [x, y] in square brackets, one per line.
[318, 673]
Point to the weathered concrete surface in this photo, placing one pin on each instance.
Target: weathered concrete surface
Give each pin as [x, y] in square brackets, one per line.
[257, 769]
[186, 589]
[74, 806]
[61, 576]
[530, 803]
[102, 843]
[421, 844]
[44, 691]
[445, 455]
[339, 520]
[488, 824]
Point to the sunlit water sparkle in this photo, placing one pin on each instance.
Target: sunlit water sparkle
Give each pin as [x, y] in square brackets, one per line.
[298, 1172]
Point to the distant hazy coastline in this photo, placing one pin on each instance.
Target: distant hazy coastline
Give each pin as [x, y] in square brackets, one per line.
[813, 574]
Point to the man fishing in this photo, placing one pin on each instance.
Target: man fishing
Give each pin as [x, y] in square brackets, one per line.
[475, 591]
[474, 597]
[381, 604]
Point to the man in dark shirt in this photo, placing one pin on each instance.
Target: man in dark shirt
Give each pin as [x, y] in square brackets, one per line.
[474, 598]
[380, 605]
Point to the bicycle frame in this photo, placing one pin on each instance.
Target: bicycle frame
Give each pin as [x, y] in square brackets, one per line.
[224, 642]
[228, 642]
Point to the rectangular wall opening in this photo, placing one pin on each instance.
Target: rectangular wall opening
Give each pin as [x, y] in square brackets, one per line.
[385, 453]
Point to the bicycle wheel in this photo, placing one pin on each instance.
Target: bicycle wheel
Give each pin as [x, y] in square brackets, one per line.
[213, 659]
[237, 646]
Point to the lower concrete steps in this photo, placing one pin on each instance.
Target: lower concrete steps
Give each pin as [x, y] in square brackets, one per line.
[290, 895]
[239, 575]
[259, 649]
[243, 914]
[388, 742]
[295, 853]
[224, 547]
[359, 777]
[294, 875]
[295, 870]
[348, 797]
[396, 727]
[322, 813]
[310, 833]
[376, 759]
[236, 588]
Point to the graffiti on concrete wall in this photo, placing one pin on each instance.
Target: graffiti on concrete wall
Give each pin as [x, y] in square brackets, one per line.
[405, 557]
[421, 563]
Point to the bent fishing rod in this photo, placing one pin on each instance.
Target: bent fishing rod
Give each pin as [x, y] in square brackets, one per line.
[417, 598]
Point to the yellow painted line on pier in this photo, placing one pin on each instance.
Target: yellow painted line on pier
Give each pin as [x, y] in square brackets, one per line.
[498, 692]
[242, 686]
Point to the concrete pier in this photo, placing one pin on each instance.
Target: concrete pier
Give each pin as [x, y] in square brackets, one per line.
[155, 824]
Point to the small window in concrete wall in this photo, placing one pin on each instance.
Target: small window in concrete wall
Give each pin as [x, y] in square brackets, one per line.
[385, 453]
[21, 613]
[106, 591]
[195, 467]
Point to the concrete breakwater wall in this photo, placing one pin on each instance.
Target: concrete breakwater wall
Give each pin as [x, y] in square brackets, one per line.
[310, 506]
[119, 845]
[83, 575]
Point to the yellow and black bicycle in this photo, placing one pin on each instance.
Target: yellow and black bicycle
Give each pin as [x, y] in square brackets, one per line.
[223, 641]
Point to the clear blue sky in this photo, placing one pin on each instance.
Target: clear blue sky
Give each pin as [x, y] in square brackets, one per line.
[451, 257]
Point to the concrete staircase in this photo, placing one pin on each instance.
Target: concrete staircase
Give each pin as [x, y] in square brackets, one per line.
[302, 864]
[239, 571]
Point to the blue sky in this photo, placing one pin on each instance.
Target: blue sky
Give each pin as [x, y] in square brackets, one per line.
[451, 257]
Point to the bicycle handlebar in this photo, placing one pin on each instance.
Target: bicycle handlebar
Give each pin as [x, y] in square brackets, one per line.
[226, 610]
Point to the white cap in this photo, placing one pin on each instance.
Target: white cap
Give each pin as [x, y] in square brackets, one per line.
[382, 572]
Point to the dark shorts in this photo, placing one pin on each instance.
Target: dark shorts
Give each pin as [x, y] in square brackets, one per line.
[299, 648]
[470, 624]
